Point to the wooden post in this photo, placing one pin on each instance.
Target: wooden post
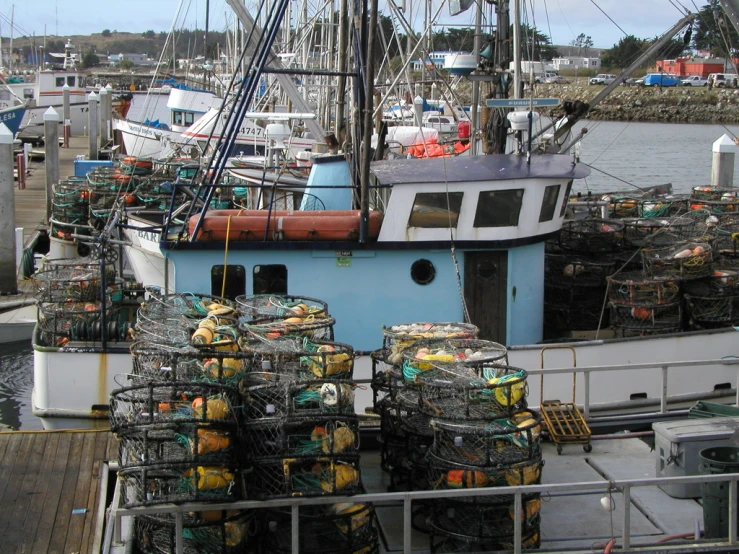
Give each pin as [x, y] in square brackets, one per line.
[92, 126]
[66, 114]
[8, 280]
[102, 121]
[51, 140]
[722, 169]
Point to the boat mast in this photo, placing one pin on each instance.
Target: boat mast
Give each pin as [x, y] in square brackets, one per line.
[205, 45]
[369, 82]
[12, 17]
[516, 49]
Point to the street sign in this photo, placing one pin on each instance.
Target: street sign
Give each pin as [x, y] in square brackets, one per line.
[521, 102]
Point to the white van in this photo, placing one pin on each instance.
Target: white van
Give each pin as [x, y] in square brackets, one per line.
[723, 80]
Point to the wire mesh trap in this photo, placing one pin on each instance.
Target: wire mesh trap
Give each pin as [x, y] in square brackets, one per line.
[319, 476]
[665, 206]
[443, 542]
[177, 483]
[592, 235]
[637, 321]
[456, 392]
[722, 282]
[574, 307]
[271, 395]
[404, 334]
[72, 283]
[710, 311]
[475, 353]
[685, 260]
[296, 438]
[210, 532]
[156, 403]
[270, 307]
[335, 528]
[504, 441]
[61, 322]
[301, 357]
[636, 289]
[315, 327]
[577, 271]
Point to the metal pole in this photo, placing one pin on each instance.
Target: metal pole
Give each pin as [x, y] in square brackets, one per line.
[8, 281]
[295, 528]
[476, 84]
[51, 140]
[663, 396]
[102, 122]
[66, 114]
[407, 525]
[92, 126]
[627, 518]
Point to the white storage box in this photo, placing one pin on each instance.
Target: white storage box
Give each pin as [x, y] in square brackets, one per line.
[678, 445]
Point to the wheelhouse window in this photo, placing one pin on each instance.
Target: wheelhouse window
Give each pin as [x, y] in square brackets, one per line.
[4, 95]
[549, 204]
[228, 281]
[270, 279]
[27, 93]
[183, 118]
[566, 199]
[436, 209]
[70, 80]
[498, 208]
[60, 81]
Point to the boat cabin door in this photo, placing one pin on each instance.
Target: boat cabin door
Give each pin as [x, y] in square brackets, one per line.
[485, 284]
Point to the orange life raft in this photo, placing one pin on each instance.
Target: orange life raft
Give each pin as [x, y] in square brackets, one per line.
[323, 225]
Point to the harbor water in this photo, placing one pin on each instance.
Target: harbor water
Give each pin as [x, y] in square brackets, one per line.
[631, 155]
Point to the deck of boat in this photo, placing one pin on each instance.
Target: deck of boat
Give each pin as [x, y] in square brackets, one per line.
[50, 490]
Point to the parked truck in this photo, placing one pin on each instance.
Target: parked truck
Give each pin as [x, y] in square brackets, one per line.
[527, 68]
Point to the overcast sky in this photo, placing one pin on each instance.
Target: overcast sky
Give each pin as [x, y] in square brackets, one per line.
[567, 18]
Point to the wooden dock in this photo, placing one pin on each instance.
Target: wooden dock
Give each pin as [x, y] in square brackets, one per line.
[30, 204]
[50, 490]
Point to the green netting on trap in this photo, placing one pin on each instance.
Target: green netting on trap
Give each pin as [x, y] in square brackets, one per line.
[565, 270]
[185, 167]
[503, 441]
[331, 529]
[177, 483]
[296, 438]
[636, 289]
[684, 261]
[726, 205]
[665, 206]
[77, 320]
[403, 334]
[290, 477]
[315, 327]
[157, 403]
[639, 231]
[269, 307]
[622, 206]
[78, 283]
[136, 166]
[474, 353]
[69, 202]
[273, 395]
[160, 362]
[592, 235]
[180, 444]
[210, 532]
[459, 392]
[483, 522]
[301, 357]
[444, 474]
[712, 311]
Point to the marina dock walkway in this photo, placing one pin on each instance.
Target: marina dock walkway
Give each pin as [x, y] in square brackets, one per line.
[50, 490]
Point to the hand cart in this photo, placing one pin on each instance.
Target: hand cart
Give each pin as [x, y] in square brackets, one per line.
[564, 420]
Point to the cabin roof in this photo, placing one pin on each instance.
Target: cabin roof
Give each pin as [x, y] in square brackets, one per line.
[477, 168]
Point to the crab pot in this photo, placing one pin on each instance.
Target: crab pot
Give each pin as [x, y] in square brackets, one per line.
[271, 395]
[576, 271]
[443, 542]
[180, 444]
[71, 284]
[386, 377]
[623, 206]
[474, 353]
[270, 307]
[290, 477]
[636, 289]
[397, 337]
[333, 528]
[208, 532]
[684, 261]
[316, 327]
[712, 312]
[158, 404]
[669, 206]
[503, 441]
[568, 307]
[177, 483]
[136, 166]
[165, 363]
[303, 358]
[722, 282]
[713, 193]
[592, 235]
[443, 475]
[637, 321]
[302, 438]
[111, 179]
[727, 205]
[77, 320]
[479, 521]
[638, 230]
[461, 394]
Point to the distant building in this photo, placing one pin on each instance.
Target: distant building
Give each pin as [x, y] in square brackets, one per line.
[137, 59]
[575, 62]
[435, 59]
[688, 66]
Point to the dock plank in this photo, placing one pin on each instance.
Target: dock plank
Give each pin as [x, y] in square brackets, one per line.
[76, 528]
[102, 442]
[13, 516]
[66, 496]
[11, 483]
[51, 502]
[41, 488]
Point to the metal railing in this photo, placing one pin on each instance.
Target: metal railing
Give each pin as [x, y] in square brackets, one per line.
[624, 486]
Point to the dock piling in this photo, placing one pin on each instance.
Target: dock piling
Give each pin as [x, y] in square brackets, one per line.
[66, 115]
[51, 140]
[102, 121]
[92, 125]
[8, 281]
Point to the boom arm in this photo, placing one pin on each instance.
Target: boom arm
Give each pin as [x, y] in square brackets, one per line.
[731, 9]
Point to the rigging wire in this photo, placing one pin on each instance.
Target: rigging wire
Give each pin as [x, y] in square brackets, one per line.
[614, 177]
[609, 18]
[611, 143]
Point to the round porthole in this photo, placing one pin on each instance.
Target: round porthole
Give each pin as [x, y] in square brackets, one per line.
[423, 272]
[487, 270]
